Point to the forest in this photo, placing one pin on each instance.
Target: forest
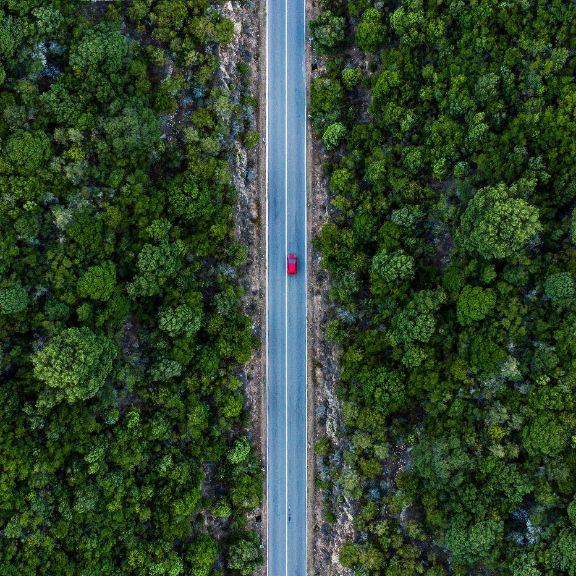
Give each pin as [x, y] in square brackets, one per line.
[123, 431]
[449, 134]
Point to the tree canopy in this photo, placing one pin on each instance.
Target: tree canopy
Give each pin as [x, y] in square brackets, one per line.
[121, 325]
[451, 248]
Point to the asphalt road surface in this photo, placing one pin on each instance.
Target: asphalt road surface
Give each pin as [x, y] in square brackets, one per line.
[286, 295]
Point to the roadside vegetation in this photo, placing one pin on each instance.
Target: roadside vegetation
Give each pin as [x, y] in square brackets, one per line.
[449, 131]
[123, 443]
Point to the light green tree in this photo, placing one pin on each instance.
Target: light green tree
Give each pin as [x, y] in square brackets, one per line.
[416, 322]
[470, 544]
[239, 452]
[370, 32]
[101, 46]
[245, 555]
[351, 77]
[26, 152]
[389, 267]
[333, 135]
[474, 304]
[560, 287]
[98, 282]
[180, 321]
[525, 565]
[497, 225]
[73, 365]
[573, 227]
[202, 554]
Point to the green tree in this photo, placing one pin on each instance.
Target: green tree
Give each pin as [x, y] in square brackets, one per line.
[156, 264]
[165, 369]
[496, 225]
[73, 365]
[245, 555]
[13, 299]
[443, 463]
[189, 199]
[545, 435]
[560, 287]
[101, 46]
[180, 321]
[26, 152]
[370, 32]
[98, 282]
[384, 389]
[11, 35]
[408, 22]
[326, 102]
[563, 551]
[328, 31]
[474, 304]
[333, 135]
[572, 511]
[135, 130]
[390, 267]
[470, 544]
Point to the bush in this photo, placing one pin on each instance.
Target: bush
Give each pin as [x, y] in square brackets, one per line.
[333, 135]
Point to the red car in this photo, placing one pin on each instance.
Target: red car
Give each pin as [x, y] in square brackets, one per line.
[292, 264]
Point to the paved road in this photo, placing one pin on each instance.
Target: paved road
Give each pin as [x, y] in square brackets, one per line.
[286, 296]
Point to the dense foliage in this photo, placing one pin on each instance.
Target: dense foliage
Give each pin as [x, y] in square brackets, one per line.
[452, 253]
[122, 427]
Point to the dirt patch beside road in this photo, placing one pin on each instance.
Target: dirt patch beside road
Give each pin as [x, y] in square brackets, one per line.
[324, 410]
[324, 414]
[248, 168]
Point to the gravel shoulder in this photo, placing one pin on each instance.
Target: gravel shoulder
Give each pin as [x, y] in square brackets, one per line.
[324, 410]
[248, 168]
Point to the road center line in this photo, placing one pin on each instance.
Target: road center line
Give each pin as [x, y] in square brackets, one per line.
[286, 276]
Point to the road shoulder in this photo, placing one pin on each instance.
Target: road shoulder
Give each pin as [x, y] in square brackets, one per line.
[324, 410]
[248, 167]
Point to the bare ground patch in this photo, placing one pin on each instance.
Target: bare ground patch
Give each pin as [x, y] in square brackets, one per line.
[248, 175]
[324, 413]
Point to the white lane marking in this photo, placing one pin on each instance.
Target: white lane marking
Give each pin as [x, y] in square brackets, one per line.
[286, 275]
[267, 198]
[305, 303]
